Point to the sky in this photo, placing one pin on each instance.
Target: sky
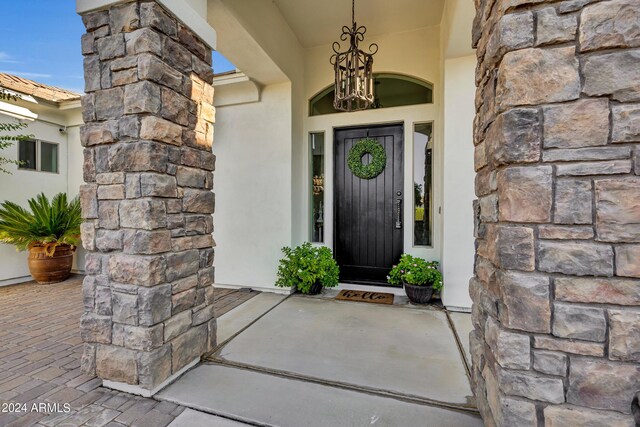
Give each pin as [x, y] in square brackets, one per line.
[40, 40]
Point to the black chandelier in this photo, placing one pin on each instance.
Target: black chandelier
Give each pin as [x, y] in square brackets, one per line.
[353, 69]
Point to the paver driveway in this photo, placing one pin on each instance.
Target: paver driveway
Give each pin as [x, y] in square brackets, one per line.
[40, 350]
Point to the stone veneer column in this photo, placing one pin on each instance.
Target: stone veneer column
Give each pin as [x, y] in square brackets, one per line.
[556, 289]
[147, 201]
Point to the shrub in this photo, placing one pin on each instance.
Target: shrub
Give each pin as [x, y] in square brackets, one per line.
[48, 224]
[416, 271]
[304, 265]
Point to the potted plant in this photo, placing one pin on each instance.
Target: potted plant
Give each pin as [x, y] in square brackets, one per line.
[307, 268]
[49, 231]
[419, 278]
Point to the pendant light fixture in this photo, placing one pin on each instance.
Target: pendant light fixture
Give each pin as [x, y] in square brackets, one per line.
[353, 69]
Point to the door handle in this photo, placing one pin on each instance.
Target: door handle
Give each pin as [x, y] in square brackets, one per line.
[399, 209]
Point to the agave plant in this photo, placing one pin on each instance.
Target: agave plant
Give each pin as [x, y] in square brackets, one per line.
[49, 224]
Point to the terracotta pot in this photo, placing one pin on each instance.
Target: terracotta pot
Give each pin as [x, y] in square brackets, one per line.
[50, 269]
[419, 294]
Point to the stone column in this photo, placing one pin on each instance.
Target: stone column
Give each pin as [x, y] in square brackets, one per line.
[556, 289]
[148, 199]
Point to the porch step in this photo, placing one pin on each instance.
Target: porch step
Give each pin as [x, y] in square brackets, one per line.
[263, 399]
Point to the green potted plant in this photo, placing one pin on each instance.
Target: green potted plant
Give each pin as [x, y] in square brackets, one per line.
[420, 278]
[307, 268]
[49, 231]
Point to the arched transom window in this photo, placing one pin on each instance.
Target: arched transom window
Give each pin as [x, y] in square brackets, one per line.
[391, 90]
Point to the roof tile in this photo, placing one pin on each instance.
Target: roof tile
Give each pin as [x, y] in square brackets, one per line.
[29, 87]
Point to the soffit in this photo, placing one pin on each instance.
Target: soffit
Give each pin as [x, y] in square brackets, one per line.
[317, 23]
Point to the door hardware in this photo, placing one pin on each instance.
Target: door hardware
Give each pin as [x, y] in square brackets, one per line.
[399, 209]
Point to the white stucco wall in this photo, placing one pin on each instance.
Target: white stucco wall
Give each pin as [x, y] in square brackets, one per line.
[251, 229]
[74, 173]
[459, 110]
[22, 185]
[253, 188]
[398, 53]
[452, 114]
[257, 39]
[248, 239]
[414, 53]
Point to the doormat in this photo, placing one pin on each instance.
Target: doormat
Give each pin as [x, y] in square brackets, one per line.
[363, 296]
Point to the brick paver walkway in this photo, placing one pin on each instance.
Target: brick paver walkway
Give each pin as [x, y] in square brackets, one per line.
[40, 348]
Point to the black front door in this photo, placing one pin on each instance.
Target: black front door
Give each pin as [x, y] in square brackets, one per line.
[368, 212]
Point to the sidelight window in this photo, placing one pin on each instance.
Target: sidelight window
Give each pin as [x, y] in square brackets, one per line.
[422, 184]
[316, 150]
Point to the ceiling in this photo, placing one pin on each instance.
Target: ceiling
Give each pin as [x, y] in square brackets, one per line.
[318, 22]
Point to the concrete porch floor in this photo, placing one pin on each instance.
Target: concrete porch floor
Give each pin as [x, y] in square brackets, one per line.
[316, 361]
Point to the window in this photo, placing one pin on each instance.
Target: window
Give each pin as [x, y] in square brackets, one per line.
[38, 156]
[27, 154]
[316, 150]
[391, 90]
[422, 183]
[48, 157]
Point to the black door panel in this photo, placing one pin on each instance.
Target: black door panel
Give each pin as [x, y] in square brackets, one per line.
[368, 212]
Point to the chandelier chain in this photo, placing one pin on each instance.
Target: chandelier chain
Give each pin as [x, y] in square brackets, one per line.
[353, 11]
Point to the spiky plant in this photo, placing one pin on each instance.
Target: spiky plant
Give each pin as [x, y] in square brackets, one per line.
[49, 224]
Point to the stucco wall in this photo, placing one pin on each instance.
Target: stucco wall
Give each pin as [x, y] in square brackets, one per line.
[74, 175]
[415, 53]
[397, 54]
[253, 236]
[419, 53]
[242, 236]
[256, 207]
[452, 114]
[22, 185]
[458, 247]
[253, 188]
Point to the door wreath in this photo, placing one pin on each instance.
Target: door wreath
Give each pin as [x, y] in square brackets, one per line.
[378, 158]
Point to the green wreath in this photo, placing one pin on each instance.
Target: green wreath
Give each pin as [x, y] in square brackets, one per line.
[378, 160]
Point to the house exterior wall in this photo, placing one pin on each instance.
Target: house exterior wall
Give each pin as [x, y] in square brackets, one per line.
[458, 193]
[414, 53]
[74, 176]
[279, 129]
[253, 188]
[259, 137]
[556, 300]
[398, 53]
[22, 185]
[259, 247]
[418, 53]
